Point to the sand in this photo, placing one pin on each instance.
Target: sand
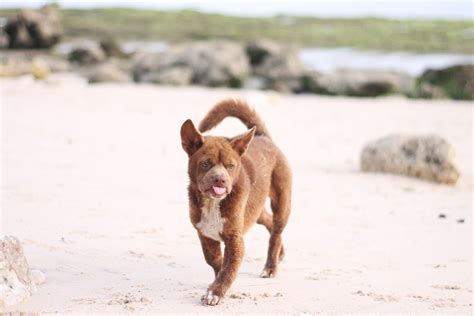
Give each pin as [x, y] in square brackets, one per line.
[94, 184]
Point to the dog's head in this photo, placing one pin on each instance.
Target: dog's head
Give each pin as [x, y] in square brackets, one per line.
[214, 162]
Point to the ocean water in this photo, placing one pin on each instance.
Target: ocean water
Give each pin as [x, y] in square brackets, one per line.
[329, 59]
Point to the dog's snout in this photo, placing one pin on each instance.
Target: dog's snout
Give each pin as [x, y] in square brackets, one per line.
[219, 181]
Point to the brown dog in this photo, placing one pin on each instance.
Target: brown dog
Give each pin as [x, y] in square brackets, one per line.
[230, 179]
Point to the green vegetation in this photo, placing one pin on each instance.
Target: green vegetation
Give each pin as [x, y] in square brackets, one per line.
[457, 82]
[364, 33]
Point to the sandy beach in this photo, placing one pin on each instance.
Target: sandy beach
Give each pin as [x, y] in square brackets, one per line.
[94, 184]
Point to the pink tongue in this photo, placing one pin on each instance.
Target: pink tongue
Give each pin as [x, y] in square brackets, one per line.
[218, 190]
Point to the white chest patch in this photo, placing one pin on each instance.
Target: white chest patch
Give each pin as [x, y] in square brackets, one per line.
[211, 223]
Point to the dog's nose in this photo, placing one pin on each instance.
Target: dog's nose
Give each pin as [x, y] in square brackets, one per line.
[219, 181]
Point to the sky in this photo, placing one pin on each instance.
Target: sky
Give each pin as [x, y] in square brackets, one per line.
[424, 9]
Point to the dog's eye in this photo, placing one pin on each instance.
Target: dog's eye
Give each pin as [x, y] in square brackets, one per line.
[230, 166]
[205, 165]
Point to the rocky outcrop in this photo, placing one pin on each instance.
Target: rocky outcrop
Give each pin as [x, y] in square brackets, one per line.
[87, 55]
[260, 64]
[35, 29]
[176, 76]
[278, 65]
[4, 40]
[360, 83]
[111, 48]
[107, 72]
[39, 65]
[17, 281]
[427, 157]
[456, 82]
[426, 90]
[216, 63]
[258, 50]
[91, 53]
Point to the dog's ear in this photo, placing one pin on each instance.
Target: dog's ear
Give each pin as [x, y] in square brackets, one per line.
[241, 143]
[191, 139]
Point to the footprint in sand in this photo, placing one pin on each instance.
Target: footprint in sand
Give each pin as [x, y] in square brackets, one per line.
[85, 301]
[134, 254]
[245, 296]
[437, 302]
[326, 274]
[446, 287]
[128, 301]
[377, 297]
[149, 231]
[322, 275]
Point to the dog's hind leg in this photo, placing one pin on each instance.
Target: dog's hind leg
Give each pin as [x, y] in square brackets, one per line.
[266, 219]
[280, 196]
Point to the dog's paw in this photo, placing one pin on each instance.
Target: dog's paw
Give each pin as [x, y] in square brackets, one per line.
[268, 273]
[210, 299]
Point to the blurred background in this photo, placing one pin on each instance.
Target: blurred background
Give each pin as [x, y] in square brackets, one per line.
[422, 49]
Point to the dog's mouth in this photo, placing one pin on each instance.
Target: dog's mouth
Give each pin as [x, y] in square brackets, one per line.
[217, 192]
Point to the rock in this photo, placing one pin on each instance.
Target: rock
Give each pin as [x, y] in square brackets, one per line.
[40, 69]
[427, 157]
[456, 82]
[178, 76]
[56, 63]
[279, 65]
[311, 83]
[428, 91]
[37, 277]
[282, 72]
[18, 34]
[14, 65]
[361, 83]
[254, 83]
[144, 64]
[107, 72]
[219, 63]
[215, 63]
[35, 29]
[16, 285]
[87, 55]
[258, 50]
[4, 40]
[39, 65]
[150, 67]
[112, 49]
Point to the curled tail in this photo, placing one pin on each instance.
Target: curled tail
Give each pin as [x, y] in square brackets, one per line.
[233, 108]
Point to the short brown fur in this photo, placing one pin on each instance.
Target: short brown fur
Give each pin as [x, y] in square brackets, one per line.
[249, 168]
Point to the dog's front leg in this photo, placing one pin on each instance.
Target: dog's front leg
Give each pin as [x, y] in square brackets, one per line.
[233, 255]
[212, 252]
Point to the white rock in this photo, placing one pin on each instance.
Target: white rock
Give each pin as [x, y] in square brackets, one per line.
[213, 63]
[427, 157]
[37, 277]
[16, 284]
